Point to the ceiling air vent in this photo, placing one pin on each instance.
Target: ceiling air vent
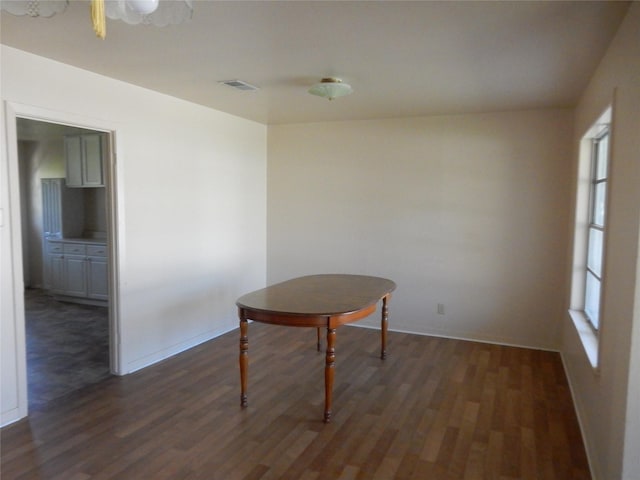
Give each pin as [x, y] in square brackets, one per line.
[240, 85]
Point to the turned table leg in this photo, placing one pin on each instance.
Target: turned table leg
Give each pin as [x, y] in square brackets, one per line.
[384, 325]
[244, 360]
[329, 372]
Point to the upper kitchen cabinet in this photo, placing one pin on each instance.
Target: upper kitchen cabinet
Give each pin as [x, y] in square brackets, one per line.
[84, 156]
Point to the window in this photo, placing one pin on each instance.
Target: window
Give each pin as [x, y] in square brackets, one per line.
[597, 217]
[590, 235]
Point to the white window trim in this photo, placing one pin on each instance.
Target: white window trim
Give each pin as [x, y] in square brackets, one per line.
[589, 337]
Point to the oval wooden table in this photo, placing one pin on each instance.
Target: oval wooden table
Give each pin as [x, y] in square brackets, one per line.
[317, 301]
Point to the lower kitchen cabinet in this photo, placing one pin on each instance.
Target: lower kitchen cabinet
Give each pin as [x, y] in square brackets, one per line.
[75, 275]
[78, 270]
[56, 272]
[97, 279]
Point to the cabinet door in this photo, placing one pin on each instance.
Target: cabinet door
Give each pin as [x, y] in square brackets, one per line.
[56, 273]
[92, 173]
[75, 275]
[97, 278]
[51, 206]
[53, 271]
[73, 152]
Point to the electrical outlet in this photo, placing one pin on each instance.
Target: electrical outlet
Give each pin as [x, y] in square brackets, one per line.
[441, 309]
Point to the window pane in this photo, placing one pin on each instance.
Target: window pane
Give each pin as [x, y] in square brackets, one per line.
[594, 257]
[592, 300]
[599, 194]
[601, 158]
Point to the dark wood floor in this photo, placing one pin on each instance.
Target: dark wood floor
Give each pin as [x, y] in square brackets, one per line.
[435, 409]
[67, 346]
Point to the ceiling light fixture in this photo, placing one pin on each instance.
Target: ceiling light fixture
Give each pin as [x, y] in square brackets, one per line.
[149, 12]
[331, 88]
[34, 8]
[145, 7]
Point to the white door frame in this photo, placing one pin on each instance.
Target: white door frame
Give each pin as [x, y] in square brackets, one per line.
[115, 232]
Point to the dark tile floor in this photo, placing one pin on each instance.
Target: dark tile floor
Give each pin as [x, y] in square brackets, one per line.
[67, 346]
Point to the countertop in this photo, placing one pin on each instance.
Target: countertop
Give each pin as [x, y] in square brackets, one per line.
[92, 241]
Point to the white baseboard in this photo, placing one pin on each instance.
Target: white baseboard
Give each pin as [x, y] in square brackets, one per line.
[578, 406]
[168, 352]
[11, 416]
[460, 337]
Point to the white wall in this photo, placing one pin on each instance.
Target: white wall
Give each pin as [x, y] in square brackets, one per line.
[191, 188]
[39, 159]
[631, 467]
[470, 211]
[601, 397]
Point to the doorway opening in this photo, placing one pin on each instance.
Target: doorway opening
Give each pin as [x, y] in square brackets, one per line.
[65, 208]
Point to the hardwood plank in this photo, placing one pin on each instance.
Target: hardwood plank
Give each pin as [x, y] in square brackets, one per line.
[435, 408]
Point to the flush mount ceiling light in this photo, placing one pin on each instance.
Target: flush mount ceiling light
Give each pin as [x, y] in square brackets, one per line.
[149, 12]
[34, 8]
[331, 88]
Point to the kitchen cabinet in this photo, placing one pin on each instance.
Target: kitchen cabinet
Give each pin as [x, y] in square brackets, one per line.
[62, 216]
[97, 273]
[78, 270]
[55, 266]
[84, 159]
[75, 269]
[75, 276]
[62, 209]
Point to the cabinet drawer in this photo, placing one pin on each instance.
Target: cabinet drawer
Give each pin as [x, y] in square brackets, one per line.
[54, 247]
[75, 248]
[97, 250]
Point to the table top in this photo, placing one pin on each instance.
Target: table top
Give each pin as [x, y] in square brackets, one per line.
[327, 294]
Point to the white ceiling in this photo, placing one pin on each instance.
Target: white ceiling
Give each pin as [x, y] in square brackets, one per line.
[402, 58]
